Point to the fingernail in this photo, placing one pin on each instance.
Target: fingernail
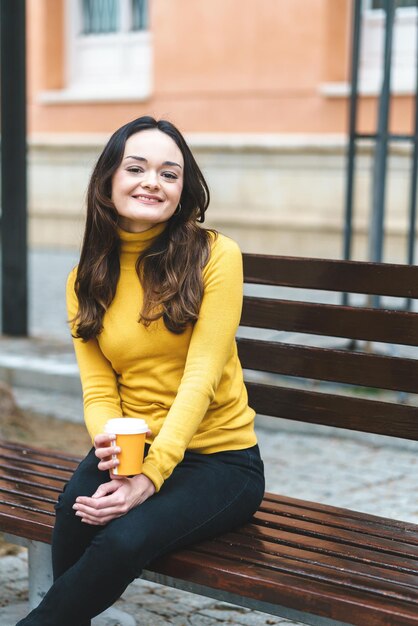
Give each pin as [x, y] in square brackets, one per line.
[79, 513]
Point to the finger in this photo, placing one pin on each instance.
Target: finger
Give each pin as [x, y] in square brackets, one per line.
[101, 516]
[105, 489]
[93, 505]
[91, 521]
[110, 464]
[98, 507]
[91, 514]
[83, 503]
[108, 461]
[107, 451]
[102, 440]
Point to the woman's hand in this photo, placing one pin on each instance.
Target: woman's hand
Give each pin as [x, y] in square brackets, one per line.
[113, 499]
[105, 447]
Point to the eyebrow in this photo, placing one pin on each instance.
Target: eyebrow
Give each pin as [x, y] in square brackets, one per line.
[142, 159]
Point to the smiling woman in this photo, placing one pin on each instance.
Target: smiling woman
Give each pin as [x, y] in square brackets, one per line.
[154, 306]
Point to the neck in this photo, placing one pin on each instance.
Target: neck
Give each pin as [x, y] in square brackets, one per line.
[132, 244]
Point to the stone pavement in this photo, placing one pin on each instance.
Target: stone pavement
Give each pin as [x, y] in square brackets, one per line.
[355, 470]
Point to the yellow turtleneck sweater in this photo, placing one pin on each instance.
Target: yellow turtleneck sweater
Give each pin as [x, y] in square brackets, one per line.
[189, 388]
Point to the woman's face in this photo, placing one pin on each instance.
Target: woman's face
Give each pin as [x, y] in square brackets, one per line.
[147, 185]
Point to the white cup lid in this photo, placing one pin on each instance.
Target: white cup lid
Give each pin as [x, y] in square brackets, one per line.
[126, 426]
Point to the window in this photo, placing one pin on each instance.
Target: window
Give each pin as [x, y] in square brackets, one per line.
[403, 47]
[108, 51]
[105, 16]
[380, 4]
[100, 16]
[139, 14]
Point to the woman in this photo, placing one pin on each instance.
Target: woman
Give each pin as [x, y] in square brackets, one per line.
[154, 305]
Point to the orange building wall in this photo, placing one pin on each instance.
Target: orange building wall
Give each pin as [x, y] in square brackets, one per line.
[219, 66]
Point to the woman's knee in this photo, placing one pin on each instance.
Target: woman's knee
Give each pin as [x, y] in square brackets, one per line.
[122, 551]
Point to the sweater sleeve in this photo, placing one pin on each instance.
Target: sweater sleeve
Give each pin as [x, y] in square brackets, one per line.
[211, 345]
[98, 379]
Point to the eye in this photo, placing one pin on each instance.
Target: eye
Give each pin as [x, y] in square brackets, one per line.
[169, 175]
[135, 169]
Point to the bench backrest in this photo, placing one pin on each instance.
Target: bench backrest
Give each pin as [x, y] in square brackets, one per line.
[351, 366]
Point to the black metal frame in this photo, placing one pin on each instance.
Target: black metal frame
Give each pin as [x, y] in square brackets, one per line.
[13, 168]
[382, 137]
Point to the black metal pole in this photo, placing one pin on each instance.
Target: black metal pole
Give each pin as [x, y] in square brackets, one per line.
[13, 168]
[414, 174]
[380, 164]
[352, 125]
[355, 56]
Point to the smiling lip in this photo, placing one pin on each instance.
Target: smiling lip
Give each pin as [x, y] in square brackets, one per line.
[147, 198]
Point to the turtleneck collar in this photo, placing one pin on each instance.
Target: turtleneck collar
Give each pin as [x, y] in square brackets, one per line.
[134, 243]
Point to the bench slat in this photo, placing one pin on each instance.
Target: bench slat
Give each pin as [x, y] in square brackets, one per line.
[19, 471]
[361, 525]
[347, 538]
[29, 524]
[364, 524]
[372, 531]
[328, 571]
[22, 495]
[30, 452]
[403, 527]
[344, 366]
[330, 320]
[281, 588]
[327, 546]
[15, 504]
[372, 416]
[38, 485]
[333, 275]
[32, 462]
[304, 562]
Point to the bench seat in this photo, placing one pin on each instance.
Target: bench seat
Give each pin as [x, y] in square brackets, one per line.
[296, 559]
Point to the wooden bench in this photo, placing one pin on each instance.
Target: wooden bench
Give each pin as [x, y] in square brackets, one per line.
[303, 560]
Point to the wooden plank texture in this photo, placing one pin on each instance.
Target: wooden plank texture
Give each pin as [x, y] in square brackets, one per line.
[383, 279]
[343, 366]
[329, 320]
[371, 416]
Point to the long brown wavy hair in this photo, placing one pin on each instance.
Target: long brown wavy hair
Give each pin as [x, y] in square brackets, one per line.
[170, 270]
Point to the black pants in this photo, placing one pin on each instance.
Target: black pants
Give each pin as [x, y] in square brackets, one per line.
[207, 494]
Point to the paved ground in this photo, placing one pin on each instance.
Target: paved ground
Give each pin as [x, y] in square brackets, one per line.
[362, 472]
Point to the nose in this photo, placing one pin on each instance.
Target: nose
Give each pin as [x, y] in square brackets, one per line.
[150, 179]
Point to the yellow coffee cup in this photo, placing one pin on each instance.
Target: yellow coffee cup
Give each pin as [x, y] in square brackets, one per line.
[130, 435]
